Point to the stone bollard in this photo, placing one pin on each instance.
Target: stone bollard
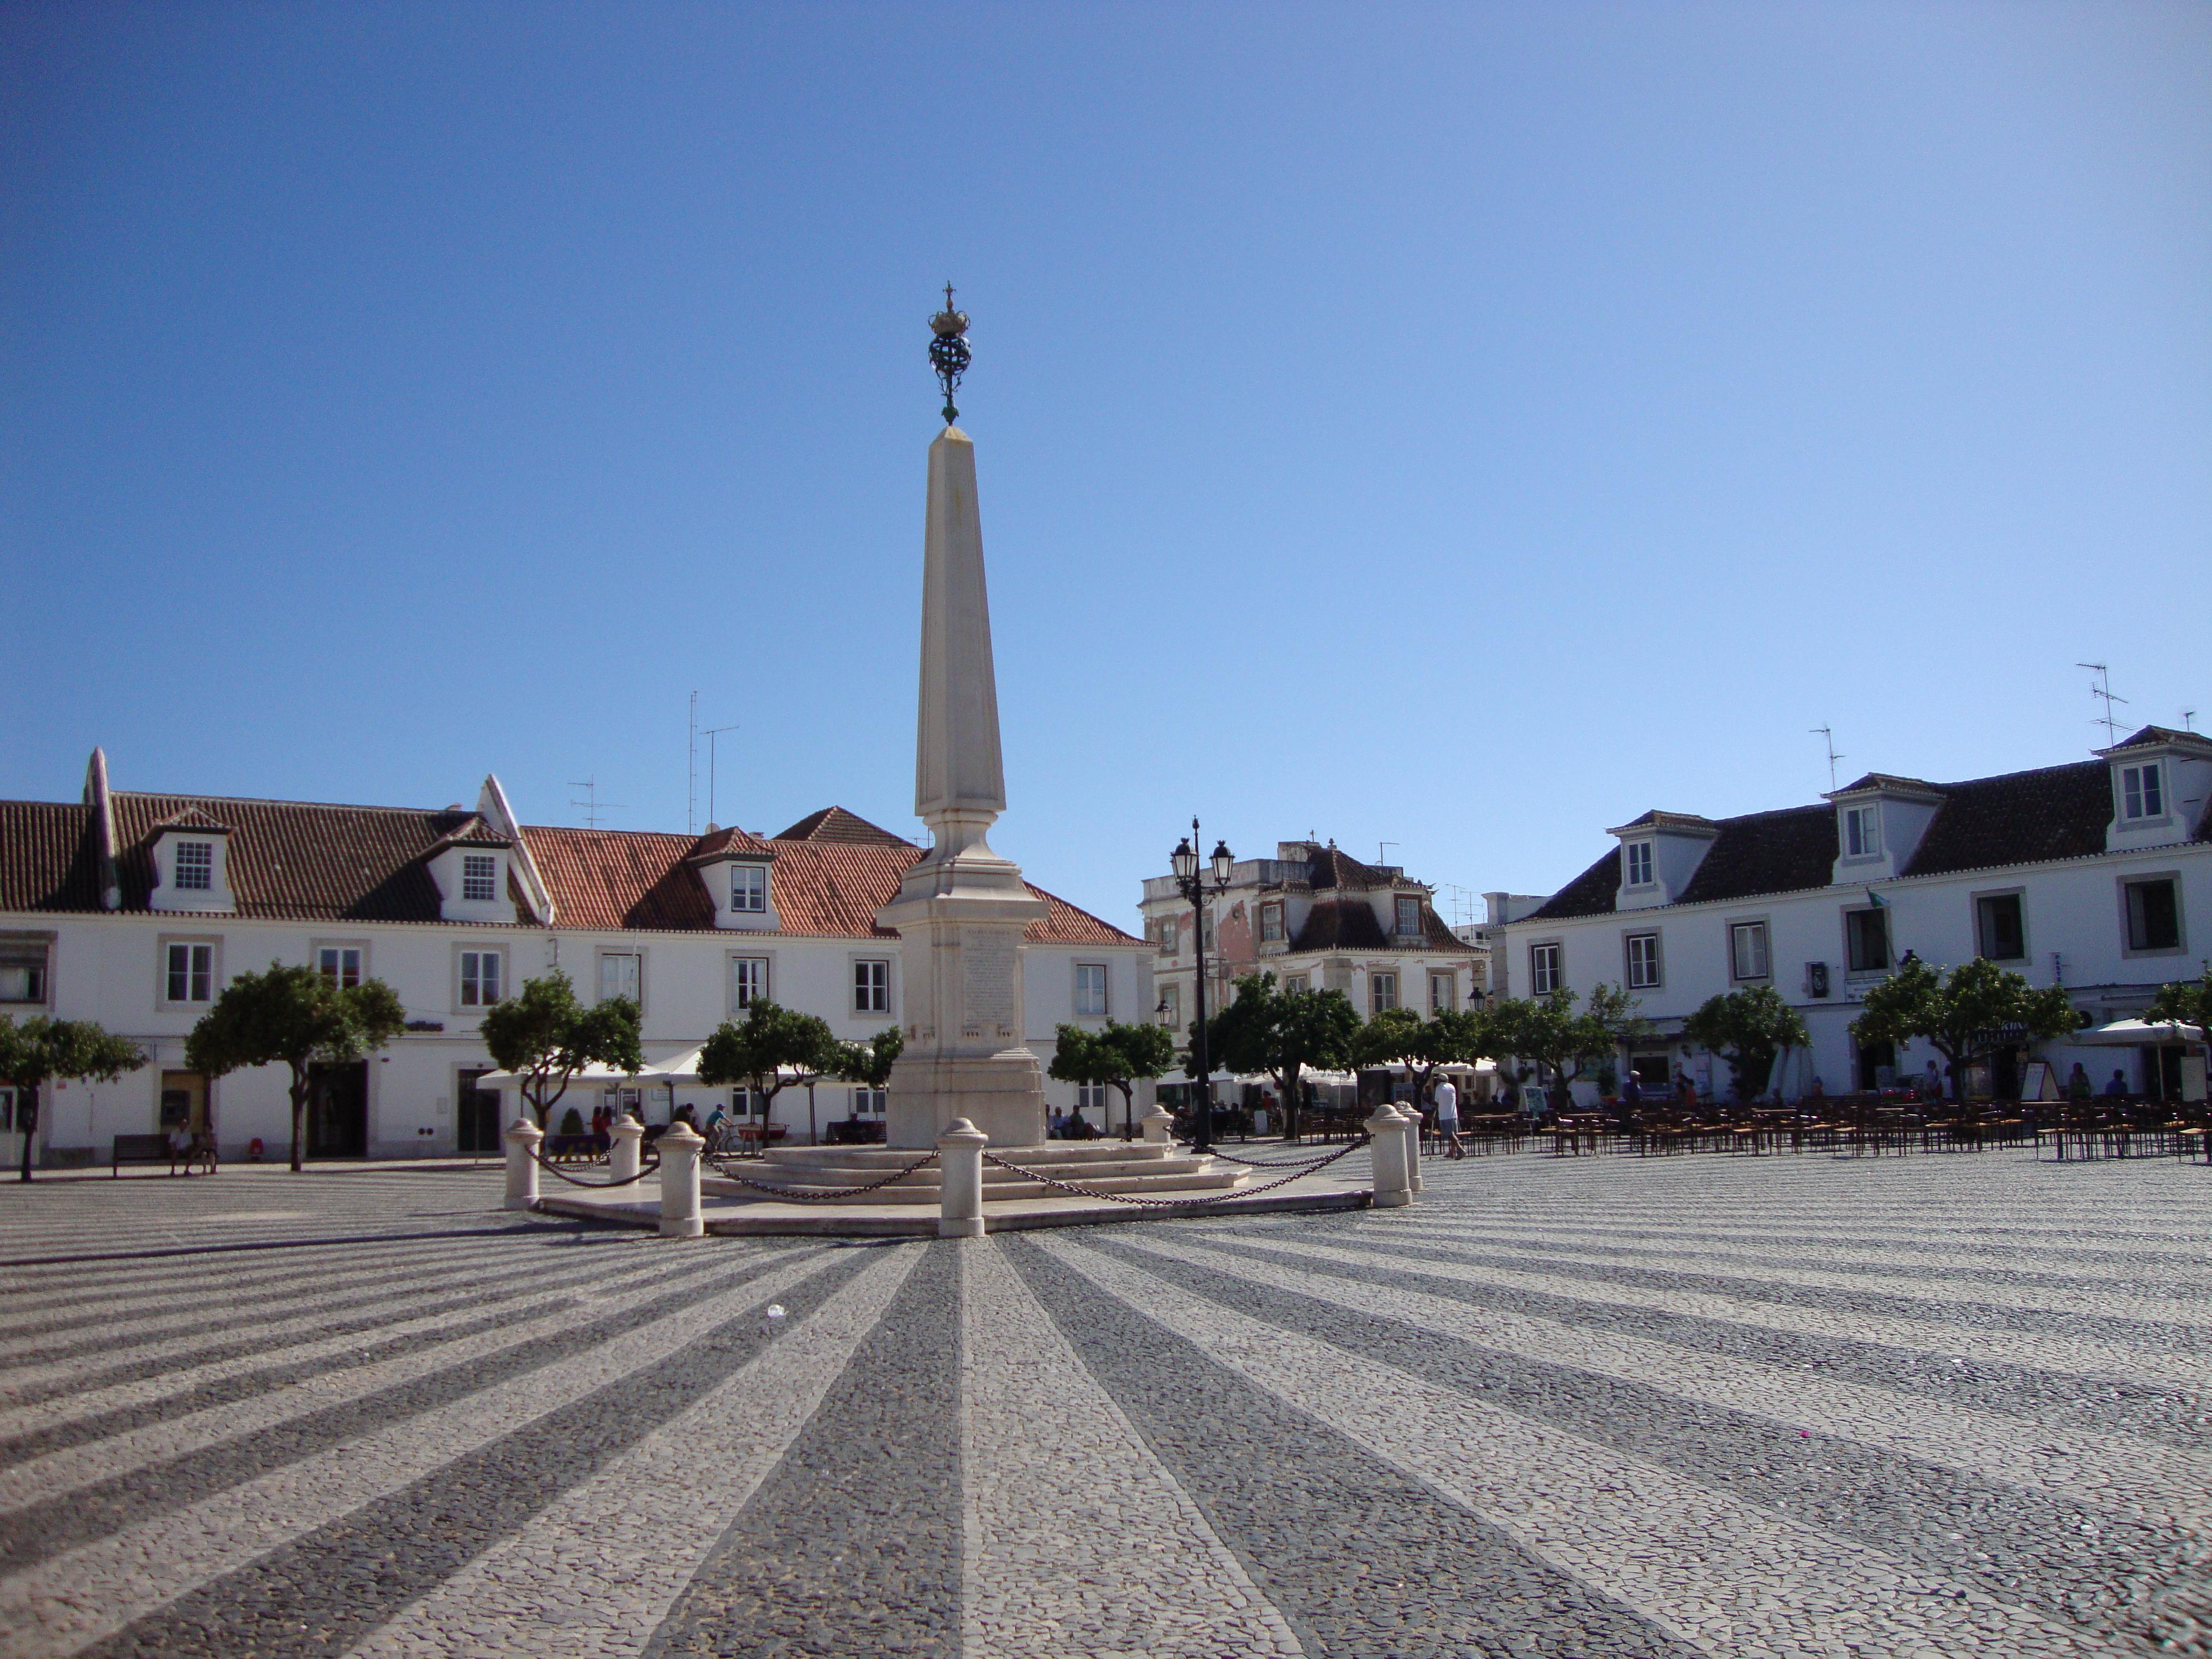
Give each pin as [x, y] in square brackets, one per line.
[522, 1141]
[1413, 1116]
[623, 1142]
[960, 1169]
[1159, 1125]
[1392, 1186]
[679, 1182]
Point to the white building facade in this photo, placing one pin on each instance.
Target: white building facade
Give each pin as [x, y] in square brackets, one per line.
[135, 909]
[1313, 916]
[2096, 876]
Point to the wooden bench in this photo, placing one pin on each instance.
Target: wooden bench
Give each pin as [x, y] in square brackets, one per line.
[140, 1149]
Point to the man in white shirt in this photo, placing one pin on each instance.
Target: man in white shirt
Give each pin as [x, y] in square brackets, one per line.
[1447, 1100]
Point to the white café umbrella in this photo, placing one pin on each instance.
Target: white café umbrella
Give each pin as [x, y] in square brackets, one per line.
[2134, 1033]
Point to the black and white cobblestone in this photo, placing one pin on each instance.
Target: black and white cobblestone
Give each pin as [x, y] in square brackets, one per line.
[1782, 1408]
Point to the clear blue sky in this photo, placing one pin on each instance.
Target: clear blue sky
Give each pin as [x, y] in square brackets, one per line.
[1460, 427]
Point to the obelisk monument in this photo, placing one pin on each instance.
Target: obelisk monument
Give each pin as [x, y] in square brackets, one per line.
[962, 909]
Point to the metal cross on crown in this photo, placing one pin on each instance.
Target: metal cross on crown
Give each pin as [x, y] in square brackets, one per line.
[948, 351]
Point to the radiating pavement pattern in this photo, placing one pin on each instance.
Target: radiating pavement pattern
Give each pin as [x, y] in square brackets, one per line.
[1944, 1405]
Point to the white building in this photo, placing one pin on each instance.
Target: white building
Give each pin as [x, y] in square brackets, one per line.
[134, 909]
[1314, 916]
[2096, 876]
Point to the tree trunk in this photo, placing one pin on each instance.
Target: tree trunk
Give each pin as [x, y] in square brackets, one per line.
[1291, 1103]
[298, 1117]
[1128, 1110]
[29, 1130]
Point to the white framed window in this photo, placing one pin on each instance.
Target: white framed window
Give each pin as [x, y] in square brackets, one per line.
[1295, 983]
[1642, 953]
[1409, 916]
[188, 972]
[2142, 791]
[620, 976]
[1747, 951]
[749, 888]
[1170, 936]
[748, 982]
[2152, 913]
[1443, 992]
[870, 1103]
[340, 964]
[1095, 1097]
[196, 865]
[1090, 988]
[1270, 922]
[2001, 925]
[7, 1111]
[1543, 969]
[1863, 832]
[484, 978]
[1638, 854]
[1382, 992]
[1866, 941]
[479, 877]
[23, 971]
[1205, 928]
[872, 986]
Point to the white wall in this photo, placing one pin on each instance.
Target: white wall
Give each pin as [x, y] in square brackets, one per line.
[109, 968]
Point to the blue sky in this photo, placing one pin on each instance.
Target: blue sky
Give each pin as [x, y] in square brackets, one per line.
[1461, 428]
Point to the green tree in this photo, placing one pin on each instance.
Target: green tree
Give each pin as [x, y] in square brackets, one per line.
[1283, 1033]
[1748, 1029]
[43, 1050]
[1965, 1016]
[1561, 1041]
[870, 1063]
[296, 1018]
[1119, 1056]
[1423, 1047]
[771, 1047]
[2187, 1000]
[546, 1036]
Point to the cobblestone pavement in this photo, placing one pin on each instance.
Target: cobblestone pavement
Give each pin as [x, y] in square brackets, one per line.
[1771, 1407]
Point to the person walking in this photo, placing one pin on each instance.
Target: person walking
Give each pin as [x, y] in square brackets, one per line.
[1447, 1101]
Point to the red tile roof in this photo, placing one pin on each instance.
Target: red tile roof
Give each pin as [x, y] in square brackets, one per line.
[305, 860]
[821, 887]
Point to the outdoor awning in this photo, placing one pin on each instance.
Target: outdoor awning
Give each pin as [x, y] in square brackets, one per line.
[2134, 1033]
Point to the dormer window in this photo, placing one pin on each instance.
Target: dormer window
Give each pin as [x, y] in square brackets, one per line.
[749, 888]
[1861, 832]
[2143, 792]
[1409, 916]
[479, 878]
[196, 865]
[1638, 854]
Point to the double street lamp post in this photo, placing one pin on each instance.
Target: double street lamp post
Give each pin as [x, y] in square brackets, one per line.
[1194, 888]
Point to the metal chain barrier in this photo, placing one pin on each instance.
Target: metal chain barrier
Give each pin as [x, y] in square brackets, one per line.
[798, 1197]
[1224, 1196]
[1255, 1164]
[553, 1168]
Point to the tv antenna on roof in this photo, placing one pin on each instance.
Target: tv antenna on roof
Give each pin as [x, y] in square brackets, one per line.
[1829, 733]
[591, 804]
[710, 735]
[2103, 690]
[2189, 719]
[1383, 852]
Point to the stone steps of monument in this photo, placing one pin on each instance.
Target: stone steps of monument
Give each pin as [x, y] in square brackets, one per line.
[881, 1160]
[832, 1173]
[923, 1186]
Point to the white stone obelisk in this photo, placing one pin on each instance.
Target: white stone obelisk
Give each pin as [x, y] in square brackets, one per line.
[962, 909]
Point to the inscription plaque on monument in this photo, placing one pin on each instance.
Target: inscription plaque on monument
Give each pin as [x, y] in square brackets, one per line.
[988, 962]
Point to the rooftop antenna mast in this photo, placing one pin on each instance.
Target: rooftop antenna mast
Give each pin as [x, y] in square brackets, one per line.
[691, 768]
[2189, 719]
[593, 806]
[711, 735]
[1383, 850]
[1829, 733]
[2103, 690]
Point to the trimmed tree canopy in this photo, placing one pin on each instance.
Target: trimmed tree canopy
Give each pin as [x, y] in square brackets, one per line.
[1965, 1016]
[43, 1050]
[1283, 1033]
[1747, 1027]
[2189, 1000]
[756, 1050]
[545, 1036]
[296, 1018]
[1118, 1056]
[870, 1063]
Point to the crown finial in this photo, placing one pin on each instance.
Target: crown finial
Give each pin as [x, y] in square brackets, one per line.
[948, 351]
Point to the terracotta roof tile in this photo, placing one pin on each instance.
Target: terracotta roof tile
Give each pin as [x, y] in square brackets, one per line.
[836, 824]
[47, 859]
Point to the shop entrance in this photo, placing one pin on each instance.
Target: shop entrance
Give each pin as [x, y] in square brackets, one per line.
[337, 1110]
[476, 1116]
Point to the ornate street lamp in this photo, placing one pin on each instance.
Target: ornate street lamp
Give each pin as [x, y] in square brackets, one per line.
[1194, 888]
